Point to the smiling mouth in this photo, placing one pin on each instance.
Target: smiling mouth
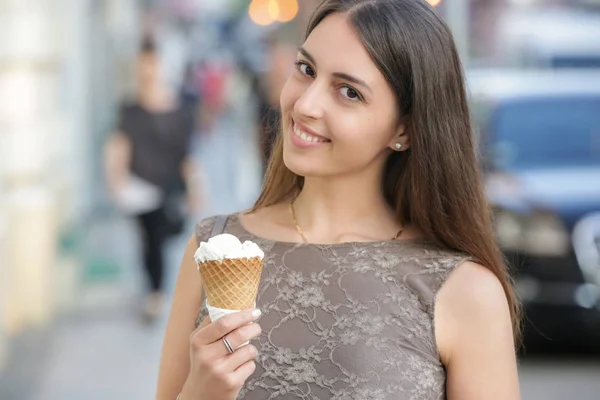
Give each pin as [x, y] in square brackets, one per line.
[307, 137]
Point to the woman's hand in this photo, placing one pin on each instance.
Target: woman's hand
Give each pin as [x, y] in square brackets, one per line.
[215, 373]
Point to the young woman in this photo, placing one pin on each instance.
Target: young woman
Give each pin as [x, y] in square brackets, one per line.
[382, 279]
[152, 147]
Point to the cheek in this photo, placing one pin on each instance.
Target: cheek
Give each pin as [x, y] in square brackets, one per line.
[361, 133]
[289, 95]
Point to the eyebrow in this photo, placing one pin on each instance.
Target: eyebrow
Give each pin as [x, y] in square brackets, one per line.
[340, 75]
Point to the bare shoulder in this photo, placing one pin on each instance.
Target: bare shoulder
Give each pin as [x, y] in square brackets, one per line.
[475, 336]
[471, 301]
[473, 287]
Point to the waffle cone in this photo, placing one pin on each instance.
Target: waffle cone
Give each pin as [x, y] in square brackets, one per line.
[232, 283]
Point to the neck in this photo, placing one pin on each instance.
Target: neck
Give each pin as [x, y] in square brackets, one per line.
[329, 209]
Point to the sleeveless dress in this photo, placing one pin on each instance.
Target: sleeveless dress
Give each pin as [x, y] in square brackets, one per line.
[349, 321]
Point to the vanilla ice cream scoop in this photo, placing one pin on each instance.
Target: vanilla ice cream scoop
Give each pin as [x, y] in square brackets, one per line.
[225, 246]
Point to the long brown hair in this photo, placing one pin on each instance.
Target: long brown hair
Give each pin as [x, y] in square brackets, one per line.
[436, 184]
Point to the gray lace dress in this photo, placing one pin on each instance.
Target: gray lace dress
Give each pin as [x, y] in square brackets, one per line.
[350, 321]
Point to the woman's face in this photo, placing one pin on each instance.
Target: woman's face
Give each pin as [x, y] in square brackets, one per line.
[148, 68]
[339, 114]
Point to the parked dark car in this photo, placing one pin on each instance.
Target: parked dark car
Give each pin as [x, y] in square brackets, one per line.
[539, 140]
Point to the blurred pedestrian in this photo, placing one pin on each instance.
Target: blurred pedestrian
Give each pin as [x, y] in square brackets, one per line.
[213, 75]
[149, 171]
[382, 278]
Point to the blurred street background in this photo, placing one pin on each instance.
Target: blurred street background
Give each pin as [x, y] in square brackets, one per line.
[71, 281]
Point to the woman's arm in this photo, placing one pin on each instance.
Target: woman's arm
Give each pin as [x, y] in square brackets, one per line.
[175, 358]
[117, 160]
[475, 338]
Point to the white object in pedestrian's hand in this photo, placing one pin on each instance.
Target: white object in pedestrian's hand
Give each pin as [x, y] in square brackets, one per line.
[138, 196]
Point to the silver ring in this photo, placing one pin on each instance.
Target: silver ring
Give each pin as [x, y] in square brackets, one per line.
[228, 345]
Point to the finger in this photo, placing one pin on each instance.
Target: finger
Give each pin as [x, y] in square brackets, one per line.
[206, 321]
[241, 356]
[236, 338]
[215, 331]
[244, 371]
[243, 334]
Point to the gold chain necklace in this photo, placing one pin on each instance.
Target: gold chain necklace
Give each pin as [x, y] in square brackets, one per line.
[301, 232]
[293, 214]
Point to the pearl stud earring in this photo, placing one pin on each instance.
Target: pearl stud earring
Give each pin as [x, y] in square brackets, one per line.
[398, 146]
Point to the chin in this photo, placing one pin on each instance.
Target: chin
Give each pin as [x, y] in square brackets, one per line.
[294, 163]
[303, 166]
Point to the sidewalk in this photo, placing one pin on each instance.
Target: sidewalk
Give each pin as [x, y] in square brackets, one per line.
[97, 355]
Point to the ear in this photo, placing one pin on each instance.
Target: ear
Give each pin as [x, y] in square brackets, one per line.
[401, 139]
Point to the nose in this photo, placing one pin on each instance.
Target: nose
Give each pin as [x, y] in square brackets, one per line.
[310, 104]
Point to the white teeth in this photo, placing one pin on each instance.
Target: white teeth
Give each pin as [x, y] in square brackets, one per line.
[305, 136]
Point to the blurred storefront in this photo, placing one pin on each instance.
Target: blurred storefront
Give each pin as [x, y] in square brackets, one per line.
[59, 80]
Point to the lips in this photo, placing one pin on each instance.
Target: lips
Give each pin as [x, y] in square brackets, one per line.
[304, 134]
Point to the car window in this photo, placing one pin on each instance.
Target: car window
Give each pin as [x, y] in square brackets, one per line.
[545, 133]
[583, 61]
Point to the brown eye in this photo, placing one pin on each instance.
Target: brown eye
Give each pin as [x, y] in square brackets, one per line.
[304, 68]
[350, 94]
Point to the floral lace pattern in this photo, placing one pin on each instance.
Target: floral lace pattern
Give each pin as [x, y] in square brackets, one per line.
[351, 321]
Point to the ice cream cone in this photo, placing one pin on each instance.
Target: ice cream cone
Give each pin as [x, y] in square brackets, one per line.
[230, 272]
[231, 283]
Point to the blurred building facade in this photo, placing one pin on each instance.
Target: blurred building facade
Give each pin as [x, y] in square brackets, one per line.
[58, 79]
